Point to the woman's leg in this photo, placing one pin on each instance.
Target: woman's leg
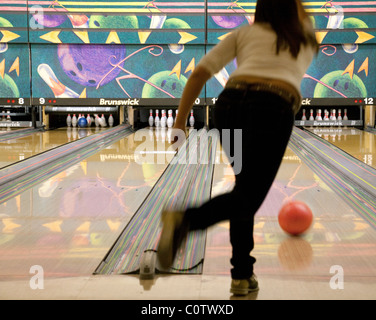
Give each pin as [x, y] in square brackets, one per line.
[266, 122]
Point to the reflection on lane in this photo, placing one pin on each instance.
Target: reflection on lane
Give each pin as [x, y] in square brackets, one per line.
[14, 150]
[360, 144]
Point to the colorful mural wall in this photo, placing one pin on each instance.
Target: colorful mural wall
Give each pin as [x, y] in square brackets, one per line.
[79, 52]
[15, 72]
[113, 71]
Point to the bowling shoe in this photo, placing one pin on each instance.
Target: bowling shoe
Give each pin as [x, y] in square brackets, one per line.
[174, 232]
[244, 287]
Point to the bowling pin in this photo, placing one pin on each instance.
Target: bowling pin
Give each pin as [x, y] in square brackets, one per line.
[59, 90]
[74, 121]
[165, 115]
[345, 118]
[88, 119]
[157, 119]
[339, 118]
[97, 120]
[103, 122]
[170, 120]
[8, 116]
[100, 120]
[163, 119]
[319, 116]
[311, 118]
[192, 120]
[176, 116]
[69, 120]
[111, 121]
[304, 118]
[326, 118]
[151, 119]
[333, 117]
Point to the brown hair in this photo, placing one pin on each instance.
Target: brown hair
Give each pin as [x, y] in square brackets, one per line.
[287, 18]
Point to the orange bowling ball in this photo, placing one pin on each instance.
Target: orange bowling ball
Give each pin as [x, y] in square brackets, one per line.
[295, 217]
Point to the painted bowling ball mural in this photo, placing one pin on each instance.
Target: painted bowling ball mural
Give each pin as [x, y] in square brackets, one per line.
[175, 23]
[229, 22]
[48, 20]
[8, 88]
[354, 23]
[169, 83]
[91, 65]
[113, 22]
[5, 23]
[339, 82]
[350, 48]
[3, 47]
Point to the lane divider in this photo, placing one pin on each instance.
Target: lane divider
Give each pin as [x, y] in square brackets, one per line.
[182, 185]
[351, 179]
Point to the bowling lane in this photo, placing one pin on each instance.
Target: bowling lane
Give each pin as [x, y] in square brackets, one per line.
[69, 222]
[14, 150]
[358, 143]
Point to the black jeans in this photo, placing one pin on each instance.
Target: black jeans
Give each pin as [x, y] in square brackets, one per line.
[266, 122]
